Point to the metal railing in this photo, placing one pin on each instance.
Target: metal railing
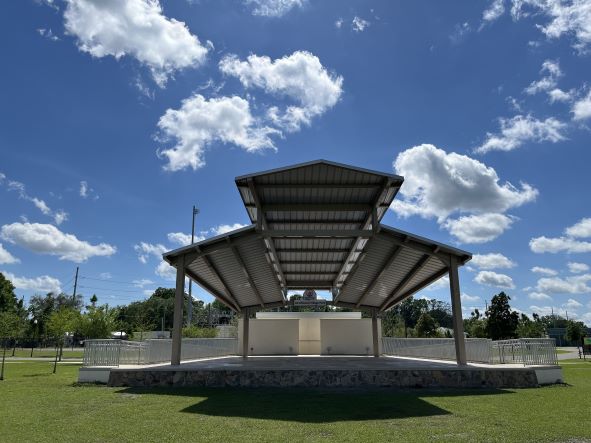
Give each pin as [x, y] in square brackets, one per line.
[478, 350]
[526, 351]
[122, 352]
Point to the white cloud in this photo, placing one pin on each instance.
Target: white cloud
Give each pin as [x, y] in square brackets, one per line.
[438, 184]
[273, 8]
[572, 304]
[469, 298]
[568, 243]
[359, 25]
[492, 261]
[544, 271]
[338, 23]
[460, 31]
[542, 310]
[180, 238]
[48, 34]
[570, 285]
[6, 258]
[222, 229]
[558, 95]
[142, 282]
[554, 245]
[43, 283]
[581, 229]
[494, 11]
[582, 108]
[571, 17]
[480, 228]
[47, 239]
[522, 129]
[539, 296]
[200, 122]
[299, 76]
[58, 216]
[552, 70]
[84, 190]
[490, 278]
[145, 250]
[165, 271]
[577, 268]
[105, 275]
[135, 28]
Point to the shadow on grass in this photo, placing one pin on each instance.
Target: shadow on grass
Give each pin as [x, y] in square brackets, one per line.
[311, 406]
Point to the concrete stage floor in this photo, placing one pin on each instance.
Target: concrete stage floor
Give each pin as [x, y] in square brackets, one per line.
[332, 371]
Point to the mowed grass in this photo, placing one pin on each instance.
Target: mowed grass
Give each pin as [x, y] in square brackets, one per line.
[38, 406]
[44, 352]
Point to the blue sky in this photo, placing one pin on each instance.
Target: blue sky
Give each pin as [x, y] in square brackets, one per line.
[118, 116]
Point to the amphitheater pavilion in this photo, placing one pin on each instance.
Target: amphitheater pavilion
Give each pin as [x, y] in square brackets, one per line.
[317, 225]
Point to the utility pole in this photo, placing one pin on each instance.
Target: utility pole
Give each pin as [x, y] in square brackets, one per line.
[190, 307]
[75, 285]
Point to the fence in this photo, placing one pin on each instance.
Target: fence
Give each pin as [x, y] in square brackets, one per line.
[121, 352]
[477, 349]
[527, 351]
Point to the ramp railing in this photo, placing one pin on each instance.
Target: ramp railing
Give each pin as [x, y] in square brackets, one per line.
[526, 351]
[478, 350]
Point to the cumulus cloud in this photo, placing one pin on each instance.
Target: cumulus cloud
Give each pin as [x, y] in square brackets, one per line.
[480, 228]
[558, 95]
[273, 8]
[47, 239]
[200, 122]
[222, 229]
[300, 77]
[564, 17]
[135, 28]
[490, 278]
[572, 304]
[165, 271]
[6, 258]
[145, 250]
[570, 285]
[439, 184]
[544, 271]
[582, 108]
[43, 283]
[569, 243]
[539, 296]
[492, 261]
[521, 129]
[577, 268]
[142, 282]
[494, 11]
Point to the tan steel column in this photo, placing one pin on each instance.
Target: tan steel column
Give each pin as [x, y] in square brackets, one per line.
[179, 298]
[456, 311]
[374, 332]
[245, 329]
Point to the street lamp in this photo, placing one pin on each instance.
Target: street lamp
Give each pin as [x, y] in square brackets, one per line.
[190, 307]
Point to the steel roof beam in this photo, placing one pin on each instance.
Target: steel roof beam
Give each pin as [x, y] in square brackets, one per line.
[414, 271]
[215, 272]
[206, 286]
[318, 207]
[318, 233]
[245, 271]
[311, 250]
[312, 186]
[418, 287]
[378, 278]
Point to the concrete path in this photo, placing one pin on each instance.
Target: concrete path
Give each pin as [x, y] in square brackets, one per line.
[573, 353]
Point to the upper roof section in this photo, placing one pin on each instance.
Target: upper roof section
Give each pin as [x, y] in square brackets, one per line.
[336, 195]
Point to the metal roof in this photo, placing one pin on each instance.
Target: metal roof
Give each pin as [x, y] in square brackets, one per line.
[316, 225]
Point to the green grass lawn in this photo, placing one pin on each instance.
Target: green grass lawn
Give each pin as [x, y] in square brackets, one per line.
[38, 406]
[44, 352]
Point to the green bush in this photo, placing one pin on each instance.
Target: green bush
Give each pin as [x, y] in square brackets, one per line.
[197, 332]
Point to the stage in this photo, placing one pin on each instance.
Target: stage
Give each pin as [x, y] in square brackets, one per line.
[331, 372]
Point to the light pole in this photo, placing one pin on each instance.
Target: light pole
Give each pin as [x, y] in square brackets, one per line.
[190, 307]
[35, 333]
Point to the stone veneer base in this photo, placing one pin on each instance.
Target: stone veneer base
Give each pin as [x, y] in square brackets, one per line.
[328, 378]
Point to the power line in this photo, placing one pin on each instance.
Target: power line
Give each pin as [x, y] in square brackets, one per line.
[111, 289]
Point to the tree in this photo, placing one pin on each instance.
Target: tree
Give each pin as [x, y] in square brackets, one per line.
[9, 322]
[426, 326]
[8, 300]
[501, 320]
[42, 307]
[575, 330]
[97, 322]
[475, 326]
[59, 323]
[527, 328]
